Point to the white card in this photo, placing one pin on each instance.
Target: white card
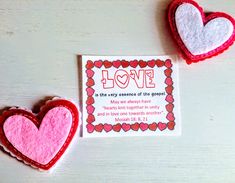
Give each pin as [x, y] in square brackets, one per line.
[130, 96]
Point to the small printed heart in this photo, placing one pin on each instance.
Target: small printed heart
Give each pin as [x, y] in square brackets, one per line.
[171, 125]
[90, 101]
[107, 127]
[99, 127]
[168, 63]
[153, 126]
[90, 91]
[90, 109]
[168, 72]
[90, 82]
[169, 89]
[117, 64]
[170, 116]
[142, 64]
[125, 63]
[160, 63]
[134, 63]
[107, 64]
[169, 81]
[143, 126]
[169, 107]
[135, 126]
[39, 140]
[199, 35]
[162, 126]
[90, 118]
[98, 64]
[117, 127]
[151, 63]
[122, 79]
[126, 127]
[169, 98]
[90, 73]
[90, 128]
[89, 64]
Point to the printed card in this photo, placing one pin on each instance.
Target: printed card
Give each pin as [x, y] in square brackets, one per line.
[130, 96]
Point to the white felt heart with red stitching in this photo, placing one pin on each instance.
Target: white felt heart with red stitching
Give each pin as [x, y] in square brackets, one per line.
[199, 37]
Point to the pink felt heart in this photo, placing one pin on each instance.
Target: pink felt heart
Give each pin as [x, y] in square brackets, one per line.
[39, 140]
[198, 36]
[108, 127]
[42, 144]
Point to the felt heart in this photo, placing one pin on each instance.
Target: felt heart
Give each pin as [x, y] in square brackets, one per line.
[198, 36]
[169, 98]
[170, 116]
[169, 81]
[39, 140]
[169, 89]
[168, 72]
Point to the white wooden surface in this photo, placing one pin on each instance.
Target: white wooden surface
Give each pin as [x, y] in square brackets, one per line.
[39, 41]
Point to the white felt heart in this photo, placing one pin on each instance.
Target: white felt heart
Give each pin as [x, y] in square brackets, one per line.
[197, 37]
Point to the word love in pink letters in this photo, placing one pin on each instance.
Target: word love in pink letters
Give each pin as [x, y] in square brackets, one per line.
[122, 78]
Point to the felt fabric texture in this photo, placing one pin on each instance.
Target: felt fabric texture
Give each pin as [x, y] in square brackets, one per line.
[197, 37]
[42, 144]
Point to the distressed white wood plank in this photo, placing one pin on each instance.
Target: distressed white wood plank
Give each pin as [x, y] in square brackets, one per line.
[39, 41]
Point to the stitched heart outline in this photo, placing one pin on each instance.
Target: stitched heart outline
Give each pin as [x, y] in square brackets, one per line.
[186, 54]
[37, 120]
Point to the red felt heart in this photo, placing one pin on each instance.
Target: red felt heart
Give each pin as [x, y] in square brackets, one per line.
[184, 49]
[170, 107]
[168, 72]
[35, 126]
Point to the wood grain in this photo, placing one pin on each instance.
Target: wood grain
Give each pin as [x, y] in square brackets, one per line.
[39, 44]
